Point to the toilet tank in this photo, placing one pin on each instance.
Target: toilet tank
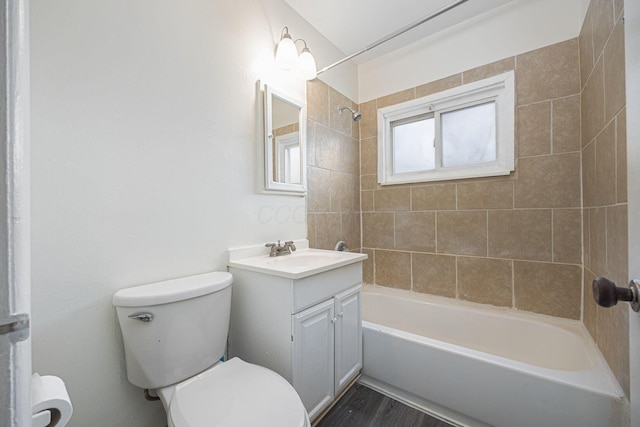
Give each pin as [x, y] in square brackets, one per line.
[187, 333]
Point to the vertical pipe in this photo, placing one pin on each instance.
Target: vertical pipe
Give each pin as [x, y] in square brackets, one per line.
[15, 296]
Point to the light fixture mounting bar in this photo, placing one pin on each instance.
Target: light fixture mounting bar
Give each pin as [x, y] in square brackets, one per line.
[396, 34]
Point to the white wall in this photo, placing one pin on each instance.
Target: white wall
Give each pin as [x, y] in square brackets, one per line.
[515, 28]
[144, 167]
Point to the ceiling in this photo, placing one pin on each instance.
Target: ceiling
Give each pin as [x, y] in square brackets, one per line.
[351, 25]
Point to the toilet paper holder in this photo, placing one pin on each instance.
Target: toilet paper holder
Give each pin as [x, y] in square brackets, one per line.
[607, 294]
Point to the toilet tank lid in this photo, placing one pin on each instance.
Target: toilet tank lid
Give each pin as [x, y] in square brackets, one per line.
[172, 290]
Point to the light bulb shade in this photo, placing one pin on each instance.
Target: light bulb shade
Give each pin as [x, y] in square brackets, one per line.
[286, 53]
[307, 65]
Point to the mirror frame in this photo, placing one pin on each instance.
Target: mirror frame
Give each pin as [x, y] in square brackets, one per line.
[269, 183]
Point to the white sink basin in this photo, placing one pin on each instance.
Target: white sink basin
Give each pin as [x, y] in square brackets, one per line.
[302, 263]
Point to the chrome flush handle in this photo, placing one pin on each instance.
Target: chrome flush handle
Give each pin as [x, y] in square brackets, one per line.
[143, 317]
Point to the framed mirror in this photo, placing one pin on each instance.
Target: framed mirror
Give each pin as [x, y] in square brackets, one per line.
[285, 121]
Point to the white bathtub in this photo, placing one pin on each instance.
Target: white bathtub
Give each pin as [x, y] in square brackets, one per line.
[486, 367]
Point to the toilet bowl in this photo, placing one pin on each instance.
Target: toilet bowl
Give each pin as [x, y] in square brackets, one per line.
[174, 334]
[234, 394]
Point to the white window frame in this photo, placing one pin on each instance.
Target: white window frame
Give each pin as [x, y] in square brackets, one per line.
[498, 88]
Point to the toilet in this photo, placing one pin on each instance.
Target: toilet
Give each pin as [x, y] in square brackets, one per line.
[175, 334]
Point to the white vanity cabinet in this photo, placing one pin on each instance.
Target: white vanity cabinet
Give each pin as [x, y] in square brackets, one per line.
[309, 330]
[327, 349]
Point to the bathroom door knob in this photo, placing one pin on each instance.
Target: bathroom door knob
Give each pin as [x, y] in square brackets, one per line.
[607, 294]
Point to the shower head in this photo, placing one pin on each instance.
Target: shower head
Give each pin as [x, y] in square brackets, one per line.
[356, 115]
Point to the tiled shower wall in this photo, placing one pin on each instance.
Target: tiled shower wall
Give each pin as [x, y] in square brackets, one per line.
[512, 241]
[604, 179]
[333, 169]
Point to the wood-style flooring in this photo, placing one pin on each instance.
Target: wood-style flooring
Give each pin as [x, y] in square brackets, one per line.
[363, 407]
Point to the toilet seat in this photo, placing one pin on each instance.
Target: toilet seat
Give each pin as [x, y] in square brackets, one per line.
[236, 394]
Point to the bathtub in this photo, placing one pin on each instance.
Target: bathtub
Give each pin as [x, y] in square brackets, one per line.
[475, 366]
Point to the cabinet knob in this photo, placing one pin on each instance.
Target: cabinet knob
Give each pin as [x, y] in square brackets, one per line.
[341, 315]
[334, 320]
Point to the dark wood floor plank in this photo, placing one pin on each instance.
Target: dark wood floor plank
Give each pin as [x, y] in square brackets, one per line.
[355, 409]
[363, 407]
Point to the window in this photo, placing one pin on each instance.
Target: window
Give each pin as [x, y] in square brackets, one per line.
[464, 132]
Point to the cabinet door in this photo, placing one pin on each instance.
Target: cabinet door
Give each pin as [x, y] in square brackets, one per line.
[348, 358]
[313, 363]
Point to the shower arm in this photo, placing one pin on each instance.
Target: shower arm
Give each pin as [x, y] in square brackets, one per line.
[395, 34]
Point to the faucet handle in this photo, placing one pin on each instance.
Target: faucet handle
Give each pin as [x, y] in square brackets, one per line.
[290, 244]
[273, 250]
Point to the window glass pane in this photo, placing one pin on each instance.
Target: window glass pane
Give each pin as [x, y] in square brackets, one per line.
[469, 135]
[292, 164]
[413, 146]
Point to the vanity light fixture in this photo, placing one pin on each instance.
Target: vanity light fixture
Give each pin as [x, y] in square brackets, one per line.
[286, 52]
[287, 56]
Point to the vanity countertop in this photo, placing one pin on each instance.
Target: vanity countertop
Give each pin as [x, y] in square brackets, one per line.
[302, 263]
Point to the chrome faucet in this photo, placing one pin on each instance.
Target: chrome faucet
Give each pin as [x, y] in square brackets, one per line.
[278, 250]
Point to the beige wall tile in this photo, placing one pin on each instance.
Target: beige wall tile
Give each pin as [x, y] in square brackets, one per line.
[489, 70]
[366, 201]
[605, 180]
[318, 101]
[496, 194]
[349, 155]
[621, 156]
[319, 190]
[369, 156]
[586, 233]
[351, 230]
[311, 230]
[369, 182]
[617, 244]
[586, 47]
[598, 241]
[416, 231]
[377, 230]
[369, 121]
[328, 230]
[367, 267]
[355, 126]
[393, 269]
[433, 197]
[533, 124]
[613, 341]
[589, 174]
[614, 73]
[328, 148]
[438, 85]
[486, 281]
[462, 233]
[567, 236]
[311, 143]
[548, 73]
[343, 187]
[590, 315]
[553, 289]
[396, 98]
[434, 274]
[602, 23]
[565, 124]
[592, 104]
[548, 182]
[342, 122]
[392, 199]
[520, 234]
[618, 7]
